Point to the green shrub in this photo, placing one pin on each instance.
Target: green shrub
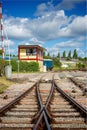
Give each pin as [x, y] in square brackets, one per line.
[56, 62]
[14, 65]
[28, 66]
[23, 66]
[80, 65]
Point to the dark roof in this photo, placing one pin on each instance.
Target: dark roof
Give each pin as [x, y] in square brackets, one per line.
[26, 46]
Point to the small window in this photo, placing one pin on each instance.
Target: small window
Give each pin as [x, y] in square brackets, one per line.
[40, 53]
[34, 51]
[27, 51]
[31, 51]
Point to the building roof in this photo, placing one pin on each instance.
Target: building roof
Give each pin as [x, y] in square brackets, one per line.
[48, 60]
[30, 46]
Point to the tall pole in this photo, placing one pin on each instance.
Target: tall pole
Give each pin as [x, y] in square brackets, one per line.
[1, 29]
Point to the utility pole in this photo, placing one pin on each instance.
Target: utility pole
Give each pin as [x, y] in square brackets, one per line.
[1, 31]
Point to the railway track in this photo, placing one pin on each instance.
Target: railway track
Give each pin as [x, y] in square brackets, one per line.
[73, 90]
[81, 85]
[66, 113]
[43, 107]
[19, 113]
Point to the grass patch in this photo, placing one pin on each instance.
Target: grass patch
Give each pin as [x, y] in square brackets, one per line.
[2, 88]
[4, 84]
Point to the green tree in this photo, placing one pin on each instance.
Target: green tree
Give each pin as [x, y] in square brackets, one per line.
[64, 54]
[48, 55]
[56, 62]
[75, 55]
[53, 56]
[58, 56]
[69, 55]
[44, 54]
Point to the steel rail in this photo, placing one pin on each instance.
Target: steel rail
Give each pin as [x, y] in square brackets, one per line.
[39, 96]
[14, 101]
[84, 89]
[38, 121]
[47, 123]
[82, 109]
[42, 112]
[48, 102]
[39, 102]
[50, 96]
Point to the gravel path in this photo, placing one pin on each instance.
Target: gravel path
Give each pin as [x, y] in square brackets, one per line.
[63, 81]
[24, 82]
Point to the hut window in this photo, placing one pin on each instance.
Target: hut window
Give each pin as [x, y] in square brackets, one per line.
[34, 51]
[31, 51]
[40, 53]
[27, 51]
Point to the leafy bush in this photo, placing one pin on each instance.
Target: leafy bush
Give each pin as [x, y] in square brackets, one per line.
[23, 66]
[80, 65]
[57, 62]
[14, 65]
[28, 66]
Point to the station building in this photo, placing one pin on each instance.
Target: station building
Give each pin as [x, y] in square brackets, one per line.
[31, 53]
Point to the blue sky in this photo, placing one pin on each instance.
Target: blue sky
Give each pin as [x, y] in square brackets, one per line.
[57, 25]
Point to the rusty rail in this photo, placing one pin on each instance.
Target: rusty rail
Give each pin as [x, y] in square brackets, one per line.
[13, 102]
[70, 99]
[42, 113]
[50, 95]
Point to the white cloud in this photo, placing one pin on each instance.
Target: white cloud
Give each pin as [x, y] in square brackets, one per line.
[17, 27]
[44, 8]
[68, 4]
[42, 28]
[53, 50]
[9, 42]
[78, 26]
[52, 25]
[35, 41]
[12, 51]
[9, 46]
[67, 46]
[26, 43]
[81, 53]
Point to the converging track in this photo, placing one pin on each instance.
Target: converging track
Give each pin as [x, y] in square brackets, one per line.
[43, 107]
[66, 113]
[19, 114]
